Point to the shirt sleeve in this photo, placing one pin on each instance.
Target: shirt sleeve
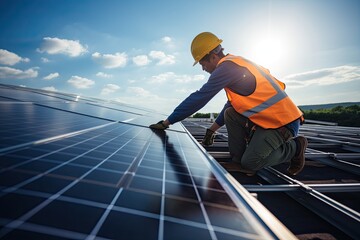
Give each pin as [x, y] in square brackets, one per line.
[197, 100]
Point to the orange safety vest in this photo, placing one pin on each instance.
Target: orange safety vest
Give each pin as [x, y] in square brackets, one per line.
[268, 106]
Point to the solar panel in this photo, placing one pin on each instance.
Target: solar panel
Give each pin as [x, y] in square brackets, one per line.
[94, 170]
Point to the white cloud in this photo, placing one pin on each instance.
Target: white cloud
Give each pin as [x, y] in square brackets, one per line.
[171, 76]
[13, 73]
[53, 89]
[109, 88]
[104, 75]
[166, 39]
[9, 58]
[51, 76]
[111, 60]
[161, 78]
[138, 96]
[45, 60]
[139, 92]
[184, 90]
[71, 48]
[167, 42]
[80, 82]
[141, 60]
[186, 78]
[326, 76]
[162, 58]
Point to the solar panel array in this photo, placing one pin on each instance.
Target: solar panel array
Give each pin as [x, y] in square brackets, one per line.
[83, 168]
[321, 202]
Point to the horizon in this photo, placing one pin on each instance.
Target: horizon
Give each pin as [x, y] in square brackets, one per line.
[102, 99]
[137, 52]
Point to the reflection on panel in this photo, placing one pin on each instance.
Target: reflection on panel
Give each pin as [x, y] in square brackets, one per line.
[110, 180]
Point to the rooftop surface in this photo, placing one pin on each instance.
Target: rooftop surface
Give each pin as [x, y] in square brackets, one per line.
[84, 168]
[322, 202]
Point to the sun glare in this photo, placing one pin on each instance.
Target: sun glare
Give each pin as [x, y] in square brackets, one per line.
[270, 52]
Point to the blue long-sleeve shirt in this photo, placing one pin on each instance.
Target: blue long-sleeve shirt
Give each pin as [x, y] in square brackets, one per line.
[227, 74]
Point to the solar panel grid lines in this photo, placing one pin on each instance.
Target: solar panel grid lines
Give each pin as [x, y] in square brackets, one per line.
[235, 189]
[130, 172]
[116, 109]
[111, 179]
[45, 154]
[61, 98]
[230, 204]
[101, 221]
[57, 95]
[20, 130]
[208, 223]
[75, 109]
[199, 196]
[35, 210]
[162, 204]
[326, 190]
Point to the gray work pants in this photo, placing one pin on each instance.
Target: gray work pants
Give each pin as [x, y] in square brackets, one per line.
[267, 147]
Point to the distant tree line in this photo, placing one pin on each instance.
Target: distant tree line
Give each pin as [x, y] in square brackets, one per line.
[204, 115]
[344, 116]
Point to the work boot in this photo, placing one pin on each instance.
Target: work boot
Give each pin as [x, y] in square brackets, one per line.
[235, 167]
[298, 161]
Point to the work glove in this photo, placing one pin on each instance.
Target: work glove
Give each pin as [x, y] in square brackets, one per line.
[208, 138]
[159, 126]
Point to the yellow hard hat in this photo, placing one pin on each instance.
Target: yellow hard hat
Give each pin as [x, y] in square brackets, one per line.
[202, 44]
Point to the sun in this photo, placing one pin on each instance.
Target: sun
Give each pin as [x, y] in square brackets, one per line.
[270, 51]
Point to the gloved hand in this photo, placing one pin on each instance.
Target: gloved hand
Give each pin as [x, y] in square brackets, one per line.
[208, 138]
[159, 126]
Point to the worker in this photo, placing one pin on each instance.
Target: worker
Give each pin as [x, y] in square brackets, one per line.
[261, 120]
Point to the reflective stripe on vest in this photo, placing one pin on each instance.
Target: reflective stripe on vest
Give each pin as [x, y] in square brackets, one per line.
[272, 112]
[274, 99]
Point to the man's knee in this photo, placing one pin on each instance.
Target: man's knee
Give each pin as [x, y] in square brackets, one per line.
[253, 160]
[253, 164]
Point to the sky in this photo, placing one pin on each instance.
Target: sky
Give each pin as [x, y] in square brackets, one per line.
[138, 52]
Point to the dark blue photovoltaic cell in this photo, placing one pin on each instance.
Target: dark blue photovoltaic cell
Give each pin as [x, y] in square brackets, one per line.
[26, 95]
[92, 110]
[19, 122]
[112, 180]
[125, 108]
[48, 98]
